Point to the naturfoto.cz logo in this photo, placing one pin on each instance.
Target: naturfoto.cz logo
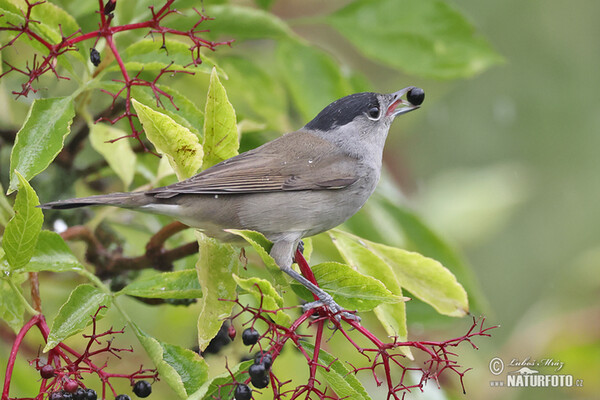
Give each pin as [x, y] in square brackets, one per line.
[526, 373]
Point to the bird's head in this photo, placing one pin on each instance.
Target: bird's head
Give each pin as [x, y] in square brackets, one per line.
[367, 109]
[365, 116]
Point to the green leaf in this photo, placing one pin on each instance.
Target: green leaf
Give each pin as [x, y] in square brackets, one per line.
[187, 112]
[76, 314]
[391, 316]
[424, 277]
[343, 382]
[265, 295]
[22, 231]
[313, 78]
[215, 267]
[351, 289]
[41, 138]
[263, 246]
[11, 306]
[148, 55]
[424, 240]
[167, 285]
[52, 254]
[220, 386]
[427, 38]
[184, 370]
[118, 154]
[221, 139]
[6, 211]
[242, 23]
[177, 143]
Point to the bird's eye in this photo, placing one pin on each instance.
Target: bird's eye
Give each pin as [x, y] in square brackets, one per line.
[373, 112]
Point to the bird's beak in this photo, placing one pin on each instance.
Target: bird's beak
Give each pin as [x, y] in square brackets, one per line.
[397, 101]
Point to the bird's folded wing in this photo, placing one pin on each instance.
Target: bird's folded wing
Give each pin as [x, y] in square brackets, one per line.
[296, 161]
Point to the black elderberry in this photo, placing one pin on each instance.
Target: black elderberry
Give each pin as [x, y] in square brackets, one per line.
[91, 394]
[257, 371]
[250, 336]
[264, 358]
[122, 397]
[260, 382]
[243, 392]
[415, 96]
[142, 389]
[95, 57]
[56, 395]
[80, 394]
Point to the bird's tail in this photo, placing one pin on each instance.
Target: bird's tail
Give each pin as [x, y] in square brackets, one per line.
[123, 200]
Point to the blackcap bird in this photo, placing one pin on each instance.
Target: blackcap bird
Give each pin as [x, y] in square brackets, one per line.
[298, 185]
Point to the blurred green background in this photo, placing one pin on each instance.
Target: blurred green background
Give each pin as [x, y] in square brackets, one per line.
[504, 166]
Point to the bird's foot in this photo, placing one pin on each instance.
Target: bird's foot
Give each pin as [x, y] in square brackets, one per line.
[334, 308]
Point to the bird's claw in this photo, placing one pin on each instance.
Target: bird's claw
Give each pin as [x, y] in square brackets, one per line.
[335, 309]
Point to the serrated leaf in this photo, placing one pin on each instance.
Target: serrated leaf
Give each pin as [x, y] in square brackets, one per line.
[119, 155]
[220, 386]
[424, 277]
[11, 306]
[183, 370]
[391, 316]
[215, 266]
[242, 23]
[176, 142]
[22, 231]
[263, 246]
[76, 314]
[427, 38]
[265, 294]
[313, 78]
[343, 382]
[167, 285]
[351, 289]
[149, 55]
[52, 254]
[221, 138]
[41, 138]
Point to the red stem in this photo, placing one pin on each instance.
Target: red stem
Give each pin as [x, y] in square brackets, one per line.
[37, 320]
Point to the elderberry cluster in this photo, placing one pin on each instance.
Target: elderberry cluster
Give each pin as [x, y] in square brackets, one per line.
[72, 391]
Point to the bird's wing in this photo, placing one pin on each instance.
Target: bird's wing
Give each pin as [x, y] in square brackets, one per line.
[296, 161]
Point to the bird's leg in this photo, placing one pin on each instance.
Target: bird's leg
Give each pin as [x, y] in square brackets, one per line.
[282, 254]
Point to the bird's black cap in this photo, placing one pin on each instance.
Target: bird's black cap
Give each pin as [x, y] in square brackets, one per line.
[343, 111]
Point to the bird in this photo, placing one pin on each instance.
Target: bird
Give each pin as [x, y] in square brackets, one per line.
[298, 185]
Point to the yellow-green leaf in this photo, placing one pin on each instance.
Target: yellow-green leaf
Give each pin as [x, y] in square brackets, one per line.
[118, 154]
[177, 143]
[22, 231]
[263, 246]
[183, 370]
[391, 316]
[221, 139]
[266, 295]
[215, 266]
